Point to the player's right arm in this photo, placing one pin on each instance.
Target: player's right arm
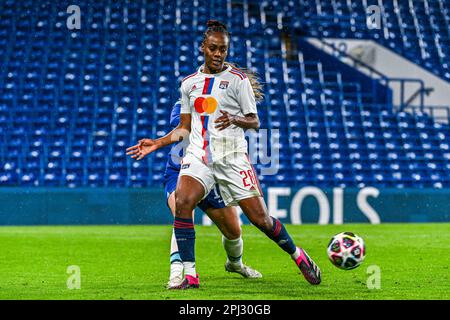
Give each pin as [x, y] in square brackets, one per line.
[178, 134]
[147, 146]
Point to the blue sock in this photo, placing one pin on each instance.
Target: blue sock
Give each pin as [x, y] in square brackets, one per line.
[280, 235]
[185, 236]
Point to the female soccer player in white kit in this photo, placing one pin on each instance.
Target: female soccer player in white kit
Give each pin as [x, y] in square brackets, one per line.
[218, 104]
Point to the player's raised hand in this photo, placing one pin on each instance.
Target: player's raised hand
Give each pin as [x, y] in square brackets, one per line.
[224, 121]
[143, 148]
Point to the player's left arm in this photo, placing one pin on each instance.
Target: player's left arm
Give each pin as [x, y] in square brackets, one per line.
[246, 99]
[249, 121]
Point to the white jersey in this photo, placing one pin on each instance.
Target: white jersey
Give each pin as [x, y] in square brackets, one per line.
[203, 96]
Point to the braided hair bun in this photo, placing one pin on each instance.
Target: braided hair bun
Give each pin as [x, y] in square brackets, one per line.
[215, 23]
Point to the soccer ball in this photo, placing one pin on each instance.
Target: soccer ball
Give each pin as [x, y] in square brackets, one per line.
[346, 250]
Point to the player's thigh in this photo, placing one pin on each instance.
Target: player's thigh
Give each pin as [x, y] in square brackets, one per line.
[188, 193]
[236, 179]
[227, 220]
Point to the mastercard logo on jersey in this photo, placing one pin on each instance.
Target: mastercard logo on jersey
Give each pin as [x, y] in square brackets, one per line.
[205, 104]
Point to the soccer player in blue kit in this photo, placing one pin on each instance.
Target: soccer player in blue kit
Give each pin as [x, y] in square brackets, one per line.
[226, 218]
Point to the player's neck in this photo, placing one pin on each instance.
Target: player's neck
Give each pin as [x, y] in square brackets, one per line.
[210, 71]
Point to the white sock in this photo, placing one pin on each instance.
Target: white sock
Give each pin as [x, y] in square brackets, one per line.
[234, 249]
[189, 269]
[296, 254]
[176, 265]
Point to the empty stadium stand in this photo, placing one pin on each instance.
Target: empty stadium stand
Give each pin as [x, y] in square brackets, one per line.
[418, 30]
[71, 101]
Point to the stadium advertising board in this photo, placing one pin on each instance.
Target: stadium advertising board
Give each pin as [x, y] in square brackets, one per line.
[312, 205]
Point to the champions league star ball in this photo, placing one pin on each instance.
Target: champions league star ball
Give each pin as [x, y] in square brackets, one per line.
[346, 250]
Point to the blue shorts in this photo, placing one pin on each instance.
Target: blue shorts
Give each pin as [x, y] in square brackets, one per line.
[213, 199]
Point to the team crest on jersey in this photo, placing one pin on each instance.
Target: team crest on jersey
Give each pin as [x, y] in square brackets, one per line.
[223, 84]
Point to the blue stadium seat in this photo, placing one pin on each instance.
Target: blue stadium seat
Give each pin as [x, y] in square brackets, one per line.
[69, 108]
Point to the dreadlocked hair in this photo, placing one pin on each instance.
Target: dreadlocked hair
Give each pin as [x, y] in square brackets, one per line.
[217, 26]
[254, 81]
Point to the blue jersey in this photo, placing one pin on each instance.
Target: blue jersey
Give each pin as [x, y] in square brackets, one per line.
[175, 115]
[177, 151]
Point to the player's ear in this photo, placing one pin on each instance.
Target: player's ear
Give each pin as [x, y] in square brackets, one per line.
[202, 47]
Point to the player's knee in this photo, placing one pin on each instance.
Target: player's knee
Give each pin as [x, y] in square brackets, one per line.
[184, 204]
[233, 233]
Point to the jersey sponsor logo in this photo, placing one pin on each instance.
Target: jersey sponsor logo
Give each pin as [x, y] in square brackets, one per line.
[185, 165]
[223, 84]
[208, 104]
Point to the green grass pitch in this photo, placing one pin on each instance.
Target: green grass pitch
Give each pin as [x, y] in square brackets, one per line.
[132, 262]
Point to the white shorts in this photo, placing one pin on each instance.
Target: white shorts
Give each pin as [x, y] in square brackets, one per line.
[234, 175]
